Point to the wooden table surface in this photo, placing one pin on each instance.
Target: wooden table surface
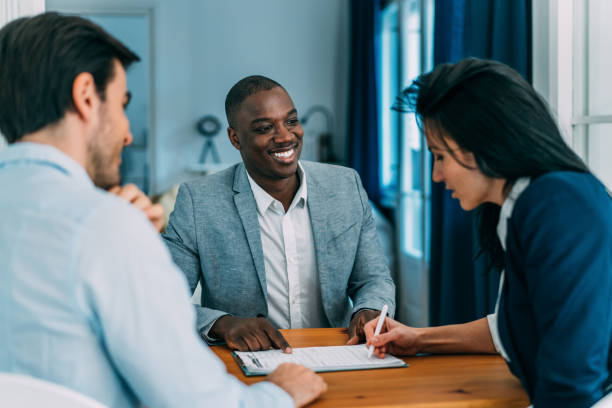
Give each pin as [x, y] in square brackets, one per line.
[431, 381]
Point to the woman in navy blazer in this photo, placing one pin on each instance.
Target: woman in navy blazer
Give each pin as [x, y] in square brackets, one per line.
[543, 218]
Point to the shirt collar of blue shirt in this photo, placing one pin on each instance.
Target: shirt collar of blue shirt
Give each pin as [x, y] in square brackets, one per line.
[44, 155]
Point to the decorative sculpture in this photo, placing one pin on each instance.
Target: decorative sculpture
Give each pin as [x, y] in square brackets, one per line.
[208, 126]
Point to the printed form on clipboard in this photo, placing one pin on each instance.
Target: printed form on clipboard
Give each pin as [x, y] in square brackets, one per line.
[319, 359]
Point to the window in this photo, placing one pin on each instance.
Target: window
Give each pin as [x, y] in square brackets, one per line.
[592, 101]
[405, 52]
[389, 86]
[575, 79]
[406, 45]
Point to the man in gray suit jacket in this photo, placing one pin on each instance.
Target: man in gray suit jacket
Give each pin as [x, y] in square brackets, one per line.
[277, 243]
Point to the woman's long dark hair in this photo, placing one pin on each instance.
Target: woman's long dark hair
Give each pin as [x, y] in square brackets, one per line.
[488, 109]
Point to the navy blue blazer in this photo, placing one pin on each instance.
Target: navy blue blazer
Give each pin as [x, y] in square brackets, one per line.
[555, 311]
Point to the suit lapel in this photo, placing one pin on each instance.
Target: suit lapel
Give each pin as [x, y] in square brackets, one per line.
[247, 210]
[319, 213]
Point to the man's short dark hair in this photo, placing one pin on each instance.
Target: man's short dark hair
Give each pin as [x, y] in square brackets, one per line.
[242, 90]
[40, 58]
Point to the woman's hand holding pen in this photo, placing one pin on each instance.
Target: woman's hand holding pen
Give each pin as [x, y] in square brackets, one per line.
[394, 338]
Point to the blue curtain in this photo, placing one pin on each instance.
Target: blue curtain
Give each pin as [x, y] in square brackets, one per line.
[461, 287]
[363, 143]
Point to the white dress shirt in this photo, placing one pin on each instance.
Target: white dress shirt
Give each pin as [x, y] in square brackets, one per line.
[90, 298]
[292, 281]
[502, 231]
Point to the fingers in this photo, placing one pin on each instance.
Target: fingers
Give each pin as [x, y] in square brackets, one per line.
[155, 214]
[252, 342]
[360, 320]
[265, 343]
[128, 192]
[352, 341]
[359, 330]
[380, 351]
[277, 339]
[237, 343]
[380, 340]
[351, 330]
[317, 387]
[301, 383]
[115, 190]
[141, 201]
[243, 341]
[154, 211]
[384, 338]
[134, 196]
[391, 324]
[368, 330]
[250, 334]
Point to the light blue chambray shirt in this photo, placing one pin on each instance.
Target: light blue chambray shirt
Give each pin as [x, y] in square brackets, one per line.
[90, 299]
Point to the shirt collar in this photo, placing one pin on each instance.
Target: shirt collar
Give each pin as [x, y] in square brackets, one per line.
[265, 200]
[506, 210]
[44, 155]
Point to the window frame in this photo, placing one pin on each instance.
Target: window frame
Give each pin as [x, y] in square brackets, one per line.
[561, 73]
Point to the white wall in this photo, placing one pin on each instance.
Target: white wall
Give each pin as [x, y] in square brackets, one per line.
[203, 47]
[12, 9]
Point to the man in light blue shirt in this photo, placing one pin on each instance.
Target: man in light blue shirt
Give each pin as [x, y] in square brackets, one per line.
[89, 296]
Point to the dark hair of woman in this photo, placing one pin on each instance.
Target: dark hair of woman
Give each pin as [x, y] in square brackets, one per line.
[488, 109]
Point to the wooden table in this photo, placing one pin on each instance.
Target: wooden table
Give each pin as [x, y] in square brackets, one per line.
[440, 381]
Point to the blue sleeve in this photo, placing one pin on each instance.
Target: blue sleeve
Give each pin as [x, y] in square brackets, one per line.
[181, 239]
[565, 235]
[142, 307]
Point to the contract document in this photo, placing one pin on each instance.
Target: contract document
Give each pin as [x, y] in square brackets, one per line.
[319, 359]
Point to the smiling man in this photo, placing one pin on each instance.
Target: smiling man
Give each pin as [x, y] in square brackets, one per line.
[277, 243]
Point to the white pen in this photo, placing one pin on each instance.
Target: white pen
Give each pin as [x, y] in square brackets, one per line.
[381, 319]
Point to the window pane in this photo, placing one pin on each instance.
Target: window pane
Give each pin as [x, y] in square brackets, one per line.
[404, 177]
[411, 32]
[412, 178]
[600, 146]
[388, 123]
[411, 159]
[599, 57]
[411, 218]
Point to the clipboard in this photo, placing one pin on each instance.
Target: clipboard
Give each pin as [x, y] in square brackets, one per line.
[319, 359]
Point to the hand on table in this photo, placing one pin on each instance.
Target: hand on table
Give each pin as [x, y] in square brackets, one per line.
[355, 329]
[300, 382]
[133, 195]
[394, 338]
[249, 333]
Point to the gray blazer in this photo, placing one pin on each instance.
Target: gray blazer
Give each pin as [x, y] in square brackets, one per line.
[214, 237]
